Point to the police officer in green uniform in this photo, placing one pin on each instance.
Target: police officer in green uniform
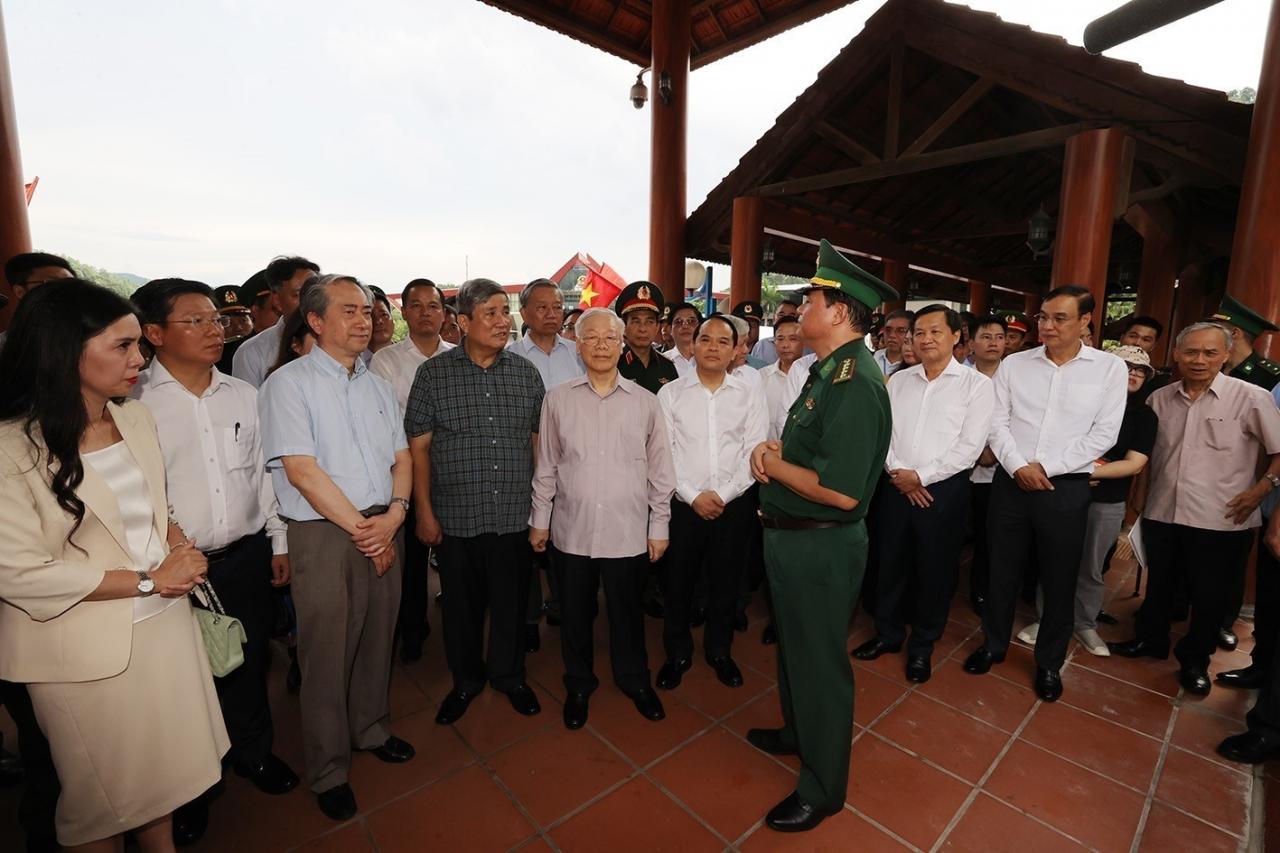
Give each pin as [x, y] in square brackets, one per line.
[640, 306]
[1245, 325]
[227, 299]
[816, 486]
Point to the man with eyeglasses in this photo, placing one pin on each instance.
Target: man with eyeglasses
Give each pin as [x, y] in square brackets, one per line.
[29, 270]
[604, 467]
[897, 326]
[1058, 410]
[684, 321]
[221, 496]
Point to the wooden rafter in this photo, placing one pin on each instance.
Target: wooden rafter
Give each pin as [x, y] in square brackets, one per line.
[846, 143]
[893, 109]
[950, 116]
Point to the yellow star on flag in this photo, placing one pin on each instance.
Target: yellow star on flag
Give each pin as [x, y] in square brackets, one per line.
[588, 295]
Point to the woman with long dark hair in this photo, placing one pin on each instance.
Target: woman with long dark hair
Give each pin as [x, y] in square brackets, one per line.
[94, 615]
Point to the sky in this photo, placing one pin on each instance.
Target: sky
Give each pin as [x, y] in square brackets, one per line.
[393, 139]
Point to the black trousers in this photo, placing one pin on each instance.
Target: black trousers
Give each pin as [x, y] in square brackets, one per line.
[578, 580]
[920, 551]
[979, 565]
[753, 577]
[1049, 528]
[242, 580]
[1209, 560]
[479, 573]
[718, 546]
[542, 564]
[1266, 611]
[415, 597]
[40, 784]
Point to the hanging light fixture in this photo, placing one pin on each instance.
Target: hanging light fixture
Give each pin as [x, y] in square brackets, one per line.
[767, 256]
[1040, 233]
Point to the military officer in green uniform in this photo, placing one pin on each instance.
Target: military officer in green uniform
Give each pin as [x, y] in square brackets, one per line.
[640, 305]
[816, 486]
[1245, 325]
[239, 324]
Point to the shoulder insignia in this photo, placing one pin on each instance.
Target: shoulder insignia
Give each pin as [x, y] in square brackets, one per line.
[808, 404]
[845, 372]
[1269, 366]
[630, 357]
[663, 380]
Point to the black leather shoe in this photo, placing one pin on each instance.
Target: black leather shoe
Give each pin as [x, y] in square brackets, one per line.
[1140, 648]
[978, 602]
[1048, 684]
[532, 640]
[697, 617]
[769, 636]
[874, 648]
[727, 671]
[648, 704]
[1249, 678]
[671, 673]
[524, 700]
[1227, 640]
[979, 663]
[653, 608]
[190, 822]
[740, 622]
[338, 803]
[918, 669]
[271, 776]
[393, 751]
[11, 770]
[770, 741]
[1249, 748]
[454, 706]
[575, 710]
[1105, 618]
[1194, 681]
[795, 815]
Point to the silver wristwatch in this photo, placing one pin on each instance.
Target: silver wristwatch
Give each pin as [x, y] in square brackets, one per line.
[1272, 479]
[404, 504]
[146, 585]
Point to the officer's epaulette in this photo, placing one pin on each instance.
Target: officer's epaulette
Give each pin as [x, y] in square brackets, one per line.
[1269, 366]
[630, 356]
[845, 371]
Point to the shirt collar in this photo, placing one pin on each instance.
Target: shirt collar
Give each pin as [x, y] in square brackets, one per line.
[158, 375]
[325, 363]
[1215, 387]
[1085, 354]
[619, 384]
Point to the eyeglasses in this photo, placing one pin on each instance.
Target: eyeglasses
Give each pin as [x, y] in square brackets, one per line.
[1055, 320]
[687, 321]
[199, 324]
[1137, 369]
[597, 340]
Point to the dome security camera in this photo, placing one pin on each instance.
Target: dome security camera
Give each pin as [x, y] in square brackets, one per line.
[639, 92]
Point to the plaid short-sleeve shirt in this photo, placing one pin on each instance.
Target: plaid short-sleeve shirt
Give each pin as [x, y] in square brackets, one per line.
[482, 422]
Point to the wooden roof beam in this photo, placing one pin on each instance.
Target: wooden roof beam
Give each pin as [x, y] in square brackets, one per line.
[846, 143]
[952, 114]
[960, 154]
[893, 109]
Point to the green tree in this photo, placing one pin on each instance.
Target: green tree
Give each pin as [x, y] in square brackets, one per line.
[1245, 95]
[122, 283]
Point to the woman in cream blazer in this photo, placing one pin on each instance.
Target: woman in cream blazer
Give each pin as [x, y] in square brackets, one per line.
[94, 616]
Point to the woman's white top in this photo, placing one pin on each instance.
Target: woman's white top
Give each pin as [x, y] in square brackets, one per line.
[116, 465]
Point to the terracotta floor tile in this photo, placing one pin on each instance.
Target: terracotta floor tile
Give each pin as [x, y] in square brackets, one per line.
[245, 820]
[873, 694]
[407, 696]
[990, 826]
[957, 635]
[546, 667]
[1206, 789]
[1106, 748]
[535, 845]
[351, 838]
[1200, 732]
[726, 781]
[749, 651]
[885, 785]
[438, 749]
[1225, 701]
[992, 700]
[1081, 803]
[467, 811]
[701, 689]
[891, 666]
[943, 735]
[1116, 700]
[555, 770]
[763, 713]
[1019, 665]
[636, 817]
[840, 833]
[1160, 676]
[491, 723]
[615, 718]
[1168, 829]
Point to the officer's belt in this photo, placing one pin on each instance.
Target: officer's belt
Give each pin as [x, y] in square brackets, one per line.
[774, 522]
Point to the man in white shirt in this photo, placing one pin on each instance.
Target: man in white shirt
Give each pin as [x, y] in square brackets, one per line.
[684, 320]
[714, 419]
[786, 339]
[1058, 410]
[557, 360]
[897, 328]
[422, 306]
[256, 356]
[766, 349]
[222, 498]
[941, 416]
[987, 338]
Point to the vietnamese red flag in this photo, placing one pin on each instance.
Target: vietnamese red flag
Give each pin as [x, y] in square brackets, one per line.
[598, 291]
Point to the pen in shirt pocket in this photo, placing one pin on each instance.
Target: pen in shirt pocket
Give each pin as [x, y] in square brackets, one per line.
[237, 431]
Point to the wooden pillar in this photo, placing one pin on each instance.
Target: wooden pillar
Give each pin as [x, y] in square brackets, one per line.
[1031, 307]
[895, 275]
[1255, 252]
[979, 298]
[1189, 304]
[1086, 212]
[15, 232]
[671, 38]
[744, 254]
[1161, 259]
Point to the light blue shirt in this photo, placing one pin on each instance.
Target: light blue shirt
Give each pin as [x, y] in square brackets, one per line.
[349, 422]
[561, 365]
[765, 351]
[256, 356]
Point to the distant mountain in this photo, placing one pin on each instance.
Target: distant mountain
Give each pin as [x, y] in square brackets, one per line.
[124, 283]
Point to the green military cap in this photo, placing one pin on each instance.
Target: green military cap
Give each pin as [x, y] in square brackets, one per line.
[837, 272]
[1017, 321]
[665, 315]
[228, 300]
[748, 310]
[254, 288]
[639, 295]
[1243, 317]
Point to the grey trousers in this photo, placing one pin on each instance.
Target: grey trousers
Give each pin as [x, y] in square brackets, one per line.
[346, 619]
[1102, 526]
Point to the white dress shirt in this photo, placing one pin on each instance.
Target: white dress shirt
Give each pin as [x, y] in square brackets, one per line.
[256, 356]
[939, 426]
[775, 392]
[214, 471]
[1064, 417]
[985, 474]
[712, 434]
[796, 377]
[399, 363]
[684, 366]
[882, 358]
[560, 365]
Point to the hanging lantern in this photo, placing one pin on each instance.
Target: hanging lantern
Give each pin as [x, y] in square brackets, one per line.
[1040, 233]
